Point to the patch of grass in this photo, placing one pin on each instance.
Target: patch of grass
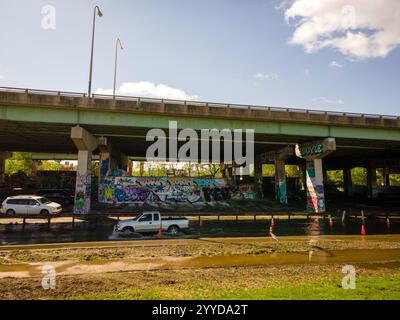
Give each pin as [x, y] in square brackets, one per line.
[256, 250]
[125, 294]
[19, 256]
[367, 288]
[106, 255]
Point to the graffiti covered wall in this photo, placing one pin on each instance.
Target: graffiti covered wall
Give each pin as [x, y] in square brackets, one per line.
[178, 190]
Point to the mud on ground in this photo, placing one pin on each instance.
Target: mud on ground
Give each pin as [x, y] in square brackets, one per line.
[117, 277]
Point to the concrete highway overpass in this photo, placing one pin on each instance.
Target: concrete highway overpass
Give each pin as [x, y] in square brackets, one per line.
[41, 121]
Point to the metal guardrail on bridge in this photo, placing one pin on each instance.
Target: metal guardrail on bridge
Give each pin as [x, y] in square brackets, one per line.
[197, 103]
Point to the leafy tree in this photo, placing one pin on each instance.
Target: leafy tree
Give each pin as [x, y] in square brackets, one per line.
[20, 162]
[359, 176]
[394, 179]
[49, 166]
[268, 170]
[335, 177]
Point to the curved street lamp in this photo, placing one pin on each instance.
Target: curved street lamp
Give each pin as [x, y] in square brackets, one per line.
[116, 62]
[100, 14]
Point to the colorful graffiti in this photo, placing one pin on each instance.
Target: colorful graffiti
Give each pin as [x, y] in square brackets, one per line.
[83, 194]
[315, 190]
[247, 191]
[55, 179]
[83, 188]
[176, 190]
[282, 192]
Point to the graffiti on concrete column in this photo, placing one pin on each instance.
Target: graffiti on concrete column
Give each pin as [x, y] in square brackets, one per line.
[82, 194]
[282, 192]
[104, 166]
[172, 190]
[315, 191]
[83, 189]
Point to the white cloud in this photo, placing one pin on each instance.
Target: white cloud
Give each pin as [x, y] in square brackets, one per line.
[307, 72]
[334, 64]
[282, 4]
[327, 101]
[266, 76]
[1, 77]
[359, 29]
[149, 90]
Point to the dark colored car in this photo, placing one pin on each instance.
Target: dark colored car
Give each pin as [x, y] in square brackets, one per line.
[63, 196]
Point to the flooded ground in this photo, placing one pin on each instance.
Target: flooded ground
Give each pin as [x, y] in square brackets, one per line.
[295, 267]
[35, 233]
[316, 256]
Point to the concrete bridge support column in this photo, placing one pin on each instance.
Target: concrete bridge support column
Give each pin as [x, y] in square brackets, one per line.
[303, 175]
[279, 157]
[130, 168]
[235, 178]
[386, 178]
[110, 157]
[86, 144]
[258, 178]
[280, 181]
[313, 153]
[315, 186]
[83, 191]
[347, 182]
[4, 155]
[371, 181]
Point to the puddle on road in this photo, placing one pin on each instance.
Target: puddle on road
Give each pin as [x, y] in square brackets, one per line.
[170, 263]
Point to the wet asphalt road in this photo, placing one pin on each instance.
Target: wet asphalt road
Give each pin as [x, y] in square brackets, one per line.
[88, 232]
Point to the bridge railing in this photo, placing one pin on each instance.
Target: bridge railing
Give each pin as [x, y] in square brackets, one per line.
[199, 103]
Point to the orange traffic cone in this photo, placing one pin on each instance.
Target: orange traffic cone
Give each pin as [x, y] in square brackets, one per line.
[159, 233]
[330, 221]
[272, 223]
[363, 230]
[388, 222]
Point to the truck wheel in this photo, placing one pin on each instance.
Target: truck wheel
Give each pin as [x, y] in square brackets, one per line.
[174, 230]
[44, 211]
[128, 230]
[10, 212]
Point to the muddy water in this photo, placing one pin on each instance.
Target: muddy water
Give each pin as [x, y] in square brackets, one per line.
[87, 232]
[318, 256]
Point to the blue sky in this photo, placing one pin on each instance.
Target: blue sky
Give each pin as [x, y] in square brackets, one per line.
[235, 51]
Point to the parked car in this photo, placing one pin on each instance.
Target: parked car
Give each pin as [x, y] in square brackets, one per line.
[150, 222]
[64, 196]
[29, 205]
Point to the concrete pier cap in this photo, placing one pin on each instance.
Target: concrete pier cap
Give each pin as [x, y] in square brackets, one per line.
[316, 149]
[83, 139]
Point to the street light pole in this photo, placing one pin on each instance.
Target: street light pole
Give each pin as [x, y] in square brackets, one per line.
[116, 62]
[100, 14]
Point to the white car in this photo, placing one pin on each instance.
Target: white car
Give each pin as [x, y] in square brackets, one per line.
[29, 205]
[152, 222]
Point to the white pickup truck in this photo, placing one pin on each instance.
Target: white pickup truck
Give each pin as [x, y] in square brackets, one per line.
[150, 222]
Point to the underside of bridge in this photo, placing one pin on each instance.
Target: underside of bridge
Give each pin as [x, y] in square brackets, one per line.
[51, 125]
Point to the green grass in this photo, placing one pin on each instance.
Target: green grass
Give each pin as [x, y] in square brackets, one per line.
[367, 288]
